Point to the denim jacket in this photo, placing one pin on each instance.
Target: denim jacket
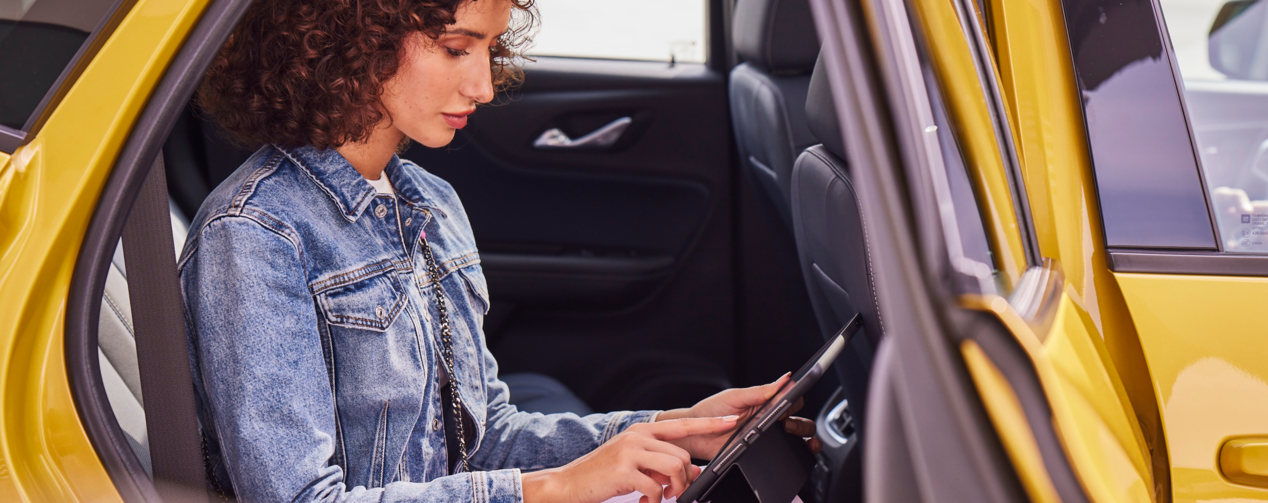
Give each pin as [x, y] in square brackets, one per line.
[314, 334]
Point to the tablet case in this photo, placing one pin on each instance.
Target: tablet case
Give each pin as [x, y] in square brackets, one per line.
[771, 470]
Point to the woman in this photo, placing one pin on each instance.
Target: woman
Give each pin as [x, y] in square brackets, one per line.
[334, 291]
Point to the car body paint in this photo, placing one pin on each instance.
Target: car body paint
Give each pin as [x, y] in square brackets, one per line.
[48, 191]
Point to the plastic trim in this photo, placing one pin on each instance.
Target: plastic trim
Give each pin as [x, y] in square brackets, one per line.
[83, 306]
[1197, 263]
[987, 78]
[10, 139]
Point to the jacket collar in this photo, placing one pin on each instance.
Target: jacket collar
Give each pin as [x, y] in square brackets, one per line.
[345, 186]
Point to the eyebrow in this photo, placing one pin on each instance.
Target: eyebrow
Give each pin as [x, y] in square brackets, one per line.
[466, 33]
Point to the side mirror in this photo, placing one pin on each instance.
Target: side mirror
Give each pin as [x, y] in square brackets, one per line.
[1238, 44]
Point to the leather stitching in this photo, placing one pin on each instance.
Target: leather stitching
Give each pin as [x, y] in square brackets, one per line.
[127, 323]
[867, 255]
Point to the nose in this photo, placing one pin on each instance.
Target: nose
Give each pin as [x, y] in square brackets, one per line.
[478, 85]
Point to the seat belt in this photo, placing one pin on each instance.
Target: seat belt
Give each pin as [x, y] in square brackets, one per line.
[158, 318]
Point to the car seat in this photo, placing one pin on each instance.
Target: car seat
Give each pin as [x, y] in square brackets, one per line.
[777, 41]
[831, 240]
[832, 247]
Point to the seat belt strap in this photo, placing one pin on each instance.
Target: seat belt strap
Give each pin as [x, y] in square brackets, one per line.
[158, 317]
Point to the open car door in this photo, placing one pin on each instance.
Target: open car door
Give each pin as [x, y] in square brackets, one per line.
[1000, 377]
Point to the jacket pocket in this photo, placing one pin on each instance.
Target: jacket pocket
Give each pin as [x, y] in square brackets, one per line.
[370, 303]
[477, 287]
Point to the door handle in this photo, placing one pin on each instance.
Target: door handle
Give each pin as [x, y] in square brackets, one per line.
[603, 137]
[1245, 460]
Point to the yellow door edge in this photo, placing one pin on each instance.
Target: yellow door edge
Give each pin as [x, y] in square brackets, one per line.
[1072, 419]
[1005, 412]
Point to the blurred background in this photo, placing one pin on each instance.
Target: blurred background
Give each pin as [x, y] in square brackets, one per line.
[652, 30]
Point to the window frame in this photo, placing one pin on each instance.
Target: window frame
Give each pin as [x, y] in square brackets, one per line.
[1188, 261]
[11, 139]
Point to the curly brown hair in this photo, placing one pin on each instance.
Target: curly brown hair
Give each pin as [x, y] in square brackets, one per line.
[311, 72]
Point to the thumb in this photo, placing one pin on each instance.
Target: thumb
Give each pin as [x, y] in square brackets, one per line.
[742, 398]
[675, 429]
[773, 388]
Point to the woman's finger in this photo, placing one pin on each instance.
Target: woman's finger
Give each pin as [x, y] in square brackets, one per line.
[814, 444]
[651, 489]
[769, 390]
[741, 398]
[654, 445]
[800, 426]
[668, 466]
[796, 406]
[675, 429]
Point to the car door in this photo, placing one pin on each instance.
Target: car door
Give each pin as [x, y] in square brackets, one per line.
[1177, 123]
[76, 74]
[605, 199]
[1001, 377]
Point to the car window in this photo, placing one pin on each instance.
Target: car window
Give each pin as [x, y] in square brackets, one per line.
[38, 43]
[1221, 49]
[651, 30]
[1147, 176]
[967, 244]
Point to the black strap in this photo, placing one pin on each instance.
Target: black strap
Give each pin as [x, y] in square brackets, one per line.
[158, 318]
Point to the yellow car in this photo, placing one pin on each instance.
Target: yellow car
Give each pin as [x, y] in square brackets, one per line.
[1051, 214]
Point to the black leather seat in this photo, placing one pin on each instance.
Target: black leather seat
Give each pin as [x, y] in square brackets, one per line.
[777, 41]
[832, 243]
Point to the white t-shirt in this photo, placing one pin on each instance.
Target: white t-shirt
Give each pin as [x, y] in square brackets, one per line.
[382, 184]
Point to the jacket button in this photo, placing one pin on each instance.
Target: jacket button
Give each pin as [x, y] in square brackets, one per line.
[435, 424]
[380, 312]
[380, 211]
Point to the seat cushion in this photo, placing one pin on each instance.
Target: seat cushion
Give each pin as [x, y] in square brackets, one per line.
[541, 393]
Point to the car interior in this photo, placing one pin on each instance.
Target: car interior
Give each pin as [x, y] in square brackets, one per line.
[701, 233]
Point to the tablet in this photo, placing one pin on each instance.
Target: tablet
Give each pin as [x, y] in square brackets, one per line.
[770, 412]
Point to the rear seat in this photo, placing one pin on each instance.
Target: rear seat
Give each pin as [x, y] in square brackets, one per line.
[116, 350]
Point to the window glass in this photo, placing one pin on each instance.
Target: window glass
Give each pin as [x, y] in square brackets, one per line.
[1221, 49]
[1147, 175]
[974, 257]
[653, 30]
[38, 40]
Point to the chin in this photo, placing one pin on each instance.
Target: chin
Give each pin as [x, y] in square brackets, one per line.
[435, 139]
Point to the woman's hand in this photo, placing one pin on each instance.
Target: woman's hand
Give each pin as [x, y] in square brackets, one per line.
[641, 459]
[743, 402]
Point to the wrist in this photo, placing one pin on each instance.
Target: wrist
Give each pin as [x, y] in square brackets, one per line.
[541, 486]
[669, 415]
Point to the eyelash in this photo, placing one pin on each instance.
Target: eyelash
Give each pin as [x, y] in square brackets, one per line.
[457, 53]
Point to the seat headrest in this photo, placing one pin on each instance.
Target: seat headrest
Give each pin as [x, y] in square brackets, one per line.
[821, 111]
[775, 35]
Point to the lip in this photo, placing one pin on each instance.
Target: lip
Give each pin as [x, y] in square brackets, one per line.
[458, 120]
